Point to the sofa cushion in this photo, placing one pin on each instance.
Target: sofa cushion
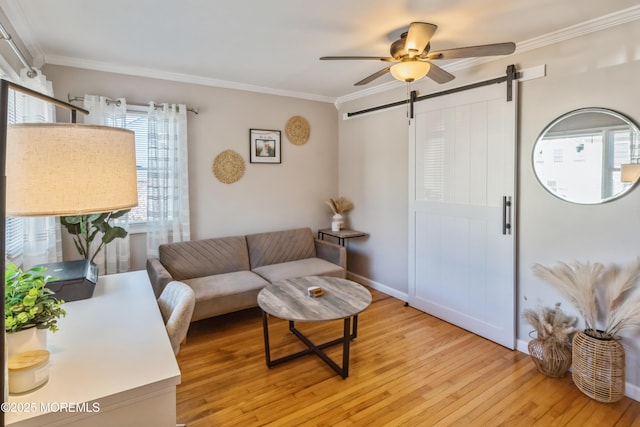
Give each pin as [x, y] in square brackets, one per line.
[276, 247]
[225, 293]
[299, 268]
[199, 258]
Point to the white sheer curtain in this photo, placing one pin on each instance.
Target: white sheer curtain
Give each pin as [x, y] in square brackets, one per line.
[168, 178]
[114, 257]
[41, 238]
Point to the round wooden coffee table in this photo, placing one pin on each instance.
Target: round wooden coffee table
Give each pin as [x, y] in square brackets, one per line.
[288, 299]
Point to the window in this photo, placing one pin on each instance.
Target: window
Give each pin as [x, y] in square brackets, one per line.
[586, 162]
[14, 239]
[137, 121]
[618, 152]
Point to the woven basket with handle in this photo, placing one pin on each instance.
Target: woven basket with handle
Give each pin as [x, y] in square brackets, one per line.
[598, 366]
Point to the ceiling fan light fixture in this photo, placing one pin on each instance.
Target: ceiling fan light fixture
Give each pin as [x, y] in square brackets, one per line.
[413, 58]
[409, 71]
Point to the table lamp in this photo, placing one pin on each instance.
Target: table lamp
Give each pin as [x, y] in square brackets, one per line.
[60, 169]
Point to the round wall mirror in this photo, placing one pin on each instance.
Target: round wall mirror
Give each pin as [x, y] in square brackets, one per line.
[588, 156]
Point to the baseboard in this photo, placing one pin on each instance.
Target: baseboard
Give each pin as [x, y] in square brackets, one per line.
[522, 346]
[630, 390]
[378, 286]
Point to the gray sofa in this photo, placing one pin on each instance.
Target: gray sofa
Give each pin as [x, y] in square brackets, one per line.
[227, 273]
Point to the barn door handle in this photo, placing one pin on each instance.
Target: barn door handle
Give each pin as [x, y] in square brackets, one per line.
[506, 214]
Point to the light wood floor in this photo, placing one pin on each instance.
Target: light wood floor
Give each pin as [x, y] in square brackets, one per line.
[407, 369]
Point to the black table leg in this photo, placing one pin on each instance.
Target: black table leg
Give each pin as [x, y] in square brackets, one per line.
[347, 335]
[354, 335]
[265, 331]
[345, 348]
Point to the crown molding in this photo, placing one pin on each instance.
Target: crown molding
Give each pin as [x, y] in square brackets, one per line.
[594, 25]
[178, 77]
[368, 92]
[16, 16]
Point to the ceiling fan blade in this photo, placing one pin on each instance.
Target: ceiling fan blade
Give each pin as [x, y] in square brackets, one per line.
[373, 76]
[378, 58]
[418, 37]
[473, 51]
[439, 75]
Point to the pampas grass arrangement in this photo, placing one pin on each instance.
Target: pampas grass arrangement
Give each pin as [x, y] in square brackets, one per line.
[551, 350]
[621, 298]
[339, 205]
[609, 296]
[551, 323]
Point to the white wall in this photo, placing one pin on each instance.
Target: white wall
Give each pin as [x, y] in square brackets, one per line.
[601, 70]
[268, 196]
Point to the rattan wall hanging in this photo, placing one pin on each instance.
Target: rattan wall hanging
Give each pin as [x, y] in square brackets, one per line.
[297, 130]
[228, 166]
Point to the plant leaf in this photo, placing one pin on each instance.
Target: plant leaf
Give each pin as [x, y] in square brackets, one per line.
[113, 233]
[118, 214]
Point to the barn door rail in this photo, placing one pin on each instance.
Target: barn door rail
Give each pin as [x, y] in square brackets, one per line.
[509, 77]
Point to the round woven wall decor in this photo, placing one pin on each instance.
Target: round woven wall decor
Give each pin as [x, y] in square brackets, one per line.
[297, 130]
[228, 166]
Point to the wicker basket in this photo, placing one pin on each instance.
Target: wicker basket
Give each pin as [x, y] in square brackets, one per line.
[598, 366]
[551, 357]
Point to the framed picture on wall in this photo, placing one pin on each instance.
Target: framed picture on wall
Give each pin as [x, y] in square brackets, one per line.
[264, 146]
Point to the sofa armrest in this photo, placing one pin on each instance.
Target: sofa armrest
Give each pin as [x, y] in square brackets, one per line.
[158, 275]
[331, 252]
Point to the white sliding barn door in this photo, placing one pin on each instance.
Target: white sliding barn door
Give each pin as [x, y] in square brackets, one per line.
[461, 236]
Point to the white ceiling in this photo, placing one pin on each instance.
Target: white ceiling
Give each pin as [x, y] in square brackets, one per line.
[273, 46]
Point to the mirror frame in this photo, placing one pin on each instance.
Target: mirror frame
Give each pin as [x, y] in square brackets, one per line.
[572, 113]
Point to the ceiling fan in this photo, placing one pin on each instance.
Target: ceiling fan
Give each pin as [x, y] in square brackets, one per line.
[411, 55]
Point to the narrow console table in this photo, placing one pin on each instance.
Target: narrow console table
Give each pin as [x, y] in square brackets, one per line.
[111, 363]
[341, 235]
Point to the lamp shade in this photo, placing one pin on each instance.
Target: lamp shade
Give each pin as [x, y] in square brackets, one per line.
[630, 172]
[408, 71]
[58, 169]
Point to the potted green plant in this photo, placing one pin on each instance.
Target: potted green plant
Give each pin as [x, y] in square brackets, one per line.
[30, 308]
[85, 228]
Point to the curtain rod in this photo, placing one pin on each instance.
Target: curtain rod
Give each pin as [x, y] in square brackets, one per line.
[194, 110]
[7, 37]
[72, 108]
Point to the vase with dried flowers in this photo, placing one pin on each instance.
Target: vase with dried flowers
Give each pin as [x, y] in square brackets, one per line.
[608, 299]
[551, 349]
[338, 207]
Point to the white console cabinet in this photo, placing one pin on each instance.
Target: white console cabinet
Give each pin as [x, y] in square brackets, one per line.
[111, 363]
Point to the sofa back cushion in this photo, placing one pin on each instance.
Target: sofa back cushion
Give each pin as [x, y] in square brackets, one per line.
[201, 258]
[280, 246]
